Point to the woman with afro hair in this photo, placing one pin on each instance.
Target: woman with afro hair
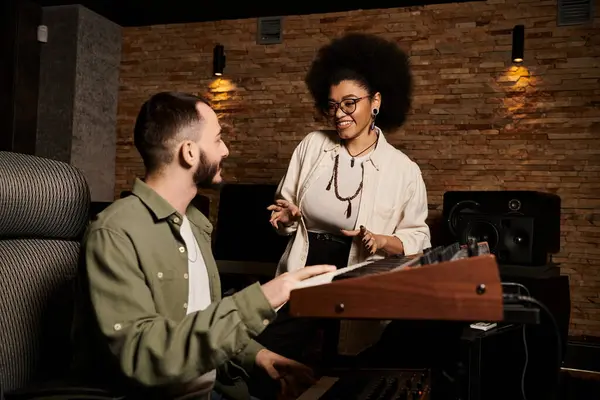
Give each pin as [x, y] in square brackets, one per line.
[348, 195]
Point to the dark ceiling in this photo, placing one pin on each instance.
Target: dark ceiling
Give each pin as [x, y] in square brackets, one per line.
[151, 12]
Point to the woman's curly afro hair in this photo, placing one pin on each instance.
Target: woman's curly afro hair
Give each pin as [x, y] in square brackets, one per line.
[377, 64]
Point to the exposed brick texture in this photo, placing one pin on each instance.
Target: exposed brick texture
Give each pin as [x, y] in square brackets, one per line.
[477, 122]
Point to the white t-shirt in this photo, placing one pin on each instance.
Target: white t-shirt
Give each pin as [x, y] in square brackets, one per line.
[323, 212]
[199, 285]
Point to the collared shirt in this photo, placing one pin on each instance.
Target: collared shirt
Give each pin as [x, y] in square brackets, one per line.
[132, 317]
[393, 200]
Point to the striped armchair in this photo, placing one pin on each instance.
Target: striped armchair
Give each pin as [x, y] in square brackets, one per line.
[44, 208]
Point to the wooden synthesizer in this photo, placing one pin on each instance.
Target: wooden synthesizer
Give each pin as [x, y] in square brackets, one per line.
[460, 283]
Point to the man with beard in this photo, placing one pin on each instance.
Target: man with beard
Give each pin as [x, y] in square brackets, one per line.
[150, 321]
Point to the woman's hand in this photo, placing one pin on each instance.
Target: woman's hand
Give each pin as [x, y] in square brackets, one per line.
[370, 241]
[285, 212]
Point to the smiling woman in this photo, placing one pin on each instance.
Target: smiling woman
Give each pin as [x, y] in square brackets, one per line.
[348, 195]
[370, 63]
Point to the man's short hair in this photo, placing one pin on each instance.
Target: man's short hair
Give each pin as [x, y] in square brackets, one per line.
[160, 120]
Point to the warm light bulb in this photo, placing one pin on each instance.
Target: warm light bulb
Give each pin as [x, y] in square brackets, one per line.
[518, 43]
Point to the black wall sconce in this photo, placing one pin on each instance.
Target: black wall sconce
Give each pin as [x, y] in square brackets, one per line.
[518, 43]
[218, 60]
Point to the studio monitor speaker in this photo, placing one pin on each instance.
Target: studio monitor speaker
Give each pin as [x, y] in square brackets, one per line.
[521, 227]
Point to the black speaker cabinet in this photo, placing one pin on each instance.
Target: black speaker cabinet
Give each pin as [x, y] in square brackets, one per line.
[202, 203]
[522, 227]
[512, 238]
[244, 233]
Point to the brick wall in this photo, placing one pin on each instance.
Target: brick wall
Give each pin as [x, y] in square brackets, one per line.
[477, 122]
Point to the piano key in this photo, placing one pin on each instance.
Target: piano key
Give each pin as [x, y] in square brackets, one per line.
[317, 390]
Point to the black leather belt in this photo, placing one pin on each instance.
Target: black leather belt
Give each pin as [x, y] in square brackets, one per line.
[328, 237]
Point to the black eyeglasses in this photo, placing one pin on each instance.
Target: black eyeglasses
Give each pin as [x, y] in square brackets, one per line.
[348, 106]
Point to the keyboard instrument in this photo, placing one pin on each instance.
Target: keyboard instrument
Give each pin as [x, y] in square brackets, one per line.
[460, 283]
[375, 384]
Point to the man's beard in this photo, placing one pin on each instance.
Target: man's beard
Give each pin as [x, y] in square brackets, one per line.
[205, 174]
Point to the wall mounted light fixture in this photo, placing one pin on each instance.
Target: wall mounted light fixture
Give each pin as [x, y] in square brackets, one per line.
[218, 60]
[518, 43]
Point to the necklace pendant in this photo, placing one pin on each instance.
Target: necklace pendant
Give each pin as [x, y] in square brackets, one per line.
[352, 163]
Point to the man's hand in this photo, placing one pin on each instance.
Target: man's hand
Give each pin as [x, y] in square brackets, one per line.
[277, 291]
[294, 377]
[370, 241]
[283, 212]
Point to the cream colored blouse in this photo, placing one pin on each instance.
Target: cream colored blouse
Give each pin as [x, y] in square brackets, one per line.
[393, 202]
